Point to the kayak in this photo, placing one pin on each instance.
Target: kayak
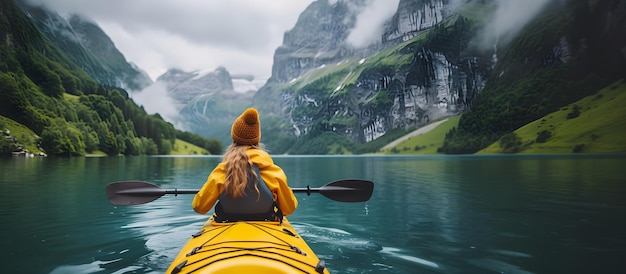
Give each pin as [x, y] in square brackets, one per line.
[247, 247]
[243, 247]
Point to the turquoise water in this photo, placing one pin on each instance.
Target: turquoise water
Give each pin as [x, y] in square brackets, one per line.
[428, 214]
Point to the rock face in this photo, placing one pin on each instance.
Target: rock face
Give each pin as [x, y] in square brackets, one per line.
[415, 16]
[316, 39]
[319, 83]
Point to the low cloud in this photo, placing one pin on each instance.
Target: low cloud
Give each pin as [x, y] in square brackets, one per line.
[370, 23]
[155, 99]
[508, 19]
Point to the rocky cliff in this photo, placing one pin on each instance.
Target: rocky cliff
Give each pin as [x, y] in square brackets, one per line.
[415, 16]
[317, 39]
[420, 69]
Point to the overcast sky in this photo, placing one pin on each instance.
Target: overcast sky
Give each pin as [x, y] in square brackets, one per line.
[240, 35]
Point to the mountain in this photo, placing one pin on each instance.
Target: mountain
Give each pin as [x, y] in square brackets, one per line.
[122, 73]
[502, 64]
[183, 86]
[86, 44]
[68, 112]
[418, 70]
[206, 101]
[335, 89]
[569, 51]
[317, 39]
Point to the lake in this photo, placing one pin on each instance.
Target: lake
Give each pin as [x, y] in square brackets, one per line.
[428, 214]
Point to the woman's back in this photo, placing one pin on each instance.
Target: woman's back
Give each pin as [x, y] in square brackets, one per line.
[257, 202]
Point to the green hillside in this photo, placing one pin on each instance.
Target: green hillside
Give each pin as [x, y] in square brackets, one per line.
[185, 148]
[568, 52]
[594, 124]
[45, 94]
[427, 143]
[26, 137]
[28, 140]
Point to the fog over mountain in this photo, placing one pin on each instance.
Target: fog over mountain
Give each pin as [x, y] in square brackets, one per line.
[360, 25]
[346, 70]
[158, 35]
[370, 21]
[508, 19]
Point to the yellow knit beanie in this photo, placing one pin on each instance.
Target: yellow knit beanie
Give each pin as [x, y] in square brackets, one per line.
[246, 129]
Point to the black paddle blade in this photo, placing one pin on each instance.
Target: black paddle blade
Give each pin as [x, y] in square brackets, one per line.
[133, 193]
[348, 190]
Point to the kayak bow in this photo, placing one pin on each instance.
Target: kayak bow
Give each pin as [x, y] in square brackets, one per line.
[247, 247]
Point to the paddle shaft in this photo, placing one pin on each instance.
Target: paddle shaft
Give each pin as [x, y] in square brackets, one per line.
[140, 192]
[160, 191]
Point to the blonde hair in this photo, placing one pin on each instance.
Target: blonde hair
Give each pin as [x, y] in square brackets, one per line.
[238, 168]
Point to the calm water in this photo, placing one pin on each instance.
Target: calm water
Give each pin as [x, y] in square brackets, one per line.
[434, 214]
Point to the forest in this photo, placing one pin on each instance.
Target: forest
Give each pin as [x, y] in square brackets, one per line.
[70, 113]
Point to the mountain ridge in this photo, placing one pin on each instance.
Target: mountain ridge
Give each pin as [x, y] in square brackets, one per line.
[70, 113]
[325, 97]
[372, 91]
[443, 71]
[85, 43]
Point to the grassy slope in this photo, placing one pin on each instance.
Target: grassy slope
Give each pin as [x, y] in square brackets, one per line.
[26, 137]
[427, 142]
[600, 126]
[184, 148]
[180, 148]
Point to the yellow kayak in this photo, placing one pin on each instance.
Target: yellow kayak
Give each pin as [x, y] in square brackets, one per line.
[247, 247]
[243, 247]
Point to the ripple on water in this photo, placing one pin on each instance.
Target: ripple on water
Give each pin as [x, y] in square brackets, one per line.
[497, 266]
[336, 237]
[93, 267]
[147, 244]
[360, 255]
[398, 253]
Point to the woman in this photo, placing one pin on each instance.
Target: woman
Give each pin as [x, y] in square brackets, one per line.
[247, 183]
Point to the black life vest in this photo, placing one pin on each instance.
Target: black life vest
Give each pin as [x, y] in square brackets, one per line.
[252, 206]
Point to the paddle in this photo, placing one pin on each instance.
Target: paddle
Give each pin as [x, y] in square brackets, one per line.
[140, 192]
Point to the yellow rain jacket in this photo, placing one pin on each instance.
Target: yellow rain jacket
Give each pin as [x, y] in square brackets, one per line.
[272, 175]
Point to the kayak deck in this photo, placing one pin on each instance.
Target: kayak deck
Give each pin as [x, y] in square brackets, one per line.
[247, 247]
